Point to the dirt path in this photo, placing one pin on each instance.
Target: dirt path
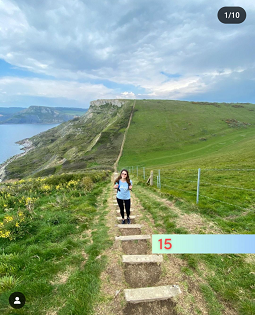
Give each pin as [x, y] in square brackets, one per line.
[111, 301]
[124, 138]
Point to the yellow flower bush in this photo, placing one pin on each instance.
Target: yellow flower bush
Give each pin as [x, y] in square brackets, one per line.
[46, 187]
[8, 218]
[11, 227]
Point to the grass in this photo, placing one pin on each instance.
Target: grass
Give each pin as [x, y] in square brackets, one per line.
[56, 263]
[164, 132]
[229, 278]
[173, 141]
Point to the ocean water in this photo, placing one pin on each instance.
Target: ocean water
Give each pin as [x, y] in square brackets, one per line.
[9, 134]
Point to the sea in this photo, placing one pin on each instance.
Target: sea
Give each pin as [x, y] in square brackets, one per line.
[9, 134]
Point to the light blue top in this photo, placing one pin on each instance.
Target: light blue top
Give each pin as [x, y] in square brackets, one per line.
[124, 192]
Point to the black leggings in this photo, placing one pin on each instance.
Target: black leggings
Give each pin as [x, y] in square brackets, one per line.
[127, 207]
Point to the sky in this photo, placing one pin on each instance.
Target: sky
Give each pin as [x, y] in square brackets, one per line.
[68, 53]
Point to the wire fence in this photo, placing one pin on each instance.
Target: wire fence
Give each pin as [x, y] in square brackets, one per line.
[209, 184]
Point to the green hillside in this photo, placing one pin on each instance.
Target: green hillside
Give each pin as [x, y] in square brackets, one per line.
[164, 132]
[178, 137]
[56, 222]
[90, 141]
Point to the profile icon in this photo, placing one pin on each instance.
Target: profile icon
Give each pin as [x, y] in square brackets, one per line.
[17, 300]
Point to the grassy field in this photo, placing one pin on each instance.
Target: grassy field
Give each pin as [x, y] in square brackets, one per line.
[226, 157]
[228, 280]
[51, 235]
[177, 138]
[163, 132]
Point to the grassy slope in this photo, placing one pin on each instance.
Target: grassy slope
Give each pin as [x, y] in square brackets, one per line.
[182, 153]
[71, 141]
[170, 136]
[53, 256]
[163, 132]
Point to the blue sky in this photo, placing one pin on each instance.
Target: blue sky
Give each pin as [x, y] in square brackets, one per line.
[65, 53]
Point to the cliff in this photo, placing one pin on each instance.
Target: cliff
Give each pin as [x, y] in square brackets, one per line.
[44, 115]
[91, 141]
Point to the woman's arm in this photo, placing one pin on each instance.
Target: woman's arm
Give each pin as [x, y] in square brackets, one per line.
[116, 186]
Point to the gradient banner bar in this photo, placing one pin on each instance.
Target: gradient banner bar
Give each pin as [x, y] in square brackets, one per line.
[203, 243]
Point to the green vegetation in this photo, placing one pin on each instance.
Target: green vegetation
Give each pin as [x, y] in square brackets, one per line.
[51, 235]
[92, 141]
[228, 279]
[226, 159]
[52, 228]
[177, 138]
[166, 132]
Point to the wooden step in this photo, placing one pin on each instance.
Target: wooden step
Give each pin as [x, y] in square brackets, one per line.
[134, 244]
[142, 270]
[130, 229]
[151, 301]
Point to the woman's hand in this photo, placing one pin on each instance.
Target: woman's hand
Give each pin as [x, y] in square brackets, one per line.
[116, 186]
[130, 187]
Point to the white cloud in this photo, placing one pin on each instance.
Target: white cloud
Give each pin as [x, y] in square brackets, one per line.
[56, 89]
[126, 42]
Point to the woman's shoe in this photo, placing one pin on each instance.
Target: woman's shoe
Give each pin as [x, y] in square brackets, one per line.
[123, 222]
[128, 221]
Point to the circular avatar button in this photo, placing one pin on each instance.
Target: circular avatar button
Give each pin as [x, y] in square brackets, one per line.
[17, 300]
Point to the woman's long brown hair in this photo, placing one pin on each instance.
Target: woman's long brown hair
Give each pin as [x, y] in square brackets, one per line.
[119, 177]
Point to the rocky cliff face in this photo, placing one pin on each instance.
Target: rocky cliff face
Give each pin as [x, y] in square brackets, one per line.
[118, 103]
[91, 141]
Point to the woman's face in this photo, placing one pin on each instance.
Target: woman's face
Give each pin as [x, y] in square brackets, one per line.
[123, 174]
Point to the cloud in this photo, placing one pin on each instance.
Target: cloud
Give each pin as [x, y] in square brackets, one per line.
[127, 42]
[71, 90]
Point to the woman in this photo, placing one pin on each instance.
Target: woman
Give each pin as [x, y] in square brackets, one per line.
[124, 185]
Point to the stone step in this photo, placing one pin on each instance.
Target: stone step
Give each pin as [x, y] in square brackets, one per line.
[130, 229]
[142, 270]
[132, 218]
[134, 244]
[151, 301]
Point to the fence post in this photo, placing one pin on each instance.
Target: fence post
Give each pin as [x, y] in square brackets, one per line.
[143, 172]
[198, 182]
[151, 178]
[157, 181]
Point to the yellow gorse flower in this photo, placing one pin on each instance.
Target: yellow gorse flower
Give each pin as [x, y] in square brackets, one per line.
[46, 187]
[8, 218]
[5, 235]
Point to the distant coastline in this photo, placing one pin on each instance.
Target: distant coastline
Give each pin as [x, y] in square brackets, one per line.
[27, 146]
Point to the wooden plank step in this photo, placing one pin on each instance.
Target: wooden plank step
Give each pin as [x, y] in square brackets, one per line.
[134, 244]
[142, 259]
[142, 270]
[132, 237]
[151, 294]
[130, 229]
[150, 301]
